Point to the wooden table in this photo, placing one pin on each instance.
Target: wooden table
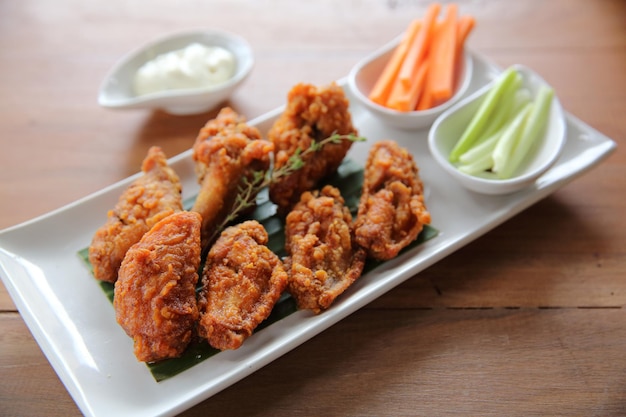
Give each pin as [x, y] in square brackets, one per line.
[527, 320]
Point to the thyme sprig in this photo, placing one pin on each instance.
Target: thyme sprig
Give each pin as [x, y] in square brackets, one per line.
[251, 185]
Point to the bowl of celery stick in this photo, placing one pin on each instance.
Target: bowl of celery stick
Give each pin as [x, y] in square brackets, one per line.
[504, 136]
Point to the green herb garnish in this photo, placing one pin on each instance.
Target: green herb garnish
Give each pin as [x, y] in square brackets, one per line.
[251, 186]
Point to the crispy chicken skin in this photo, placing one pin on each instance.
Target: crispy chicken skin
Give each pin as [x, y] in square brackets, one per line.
[226, 150]
[323, 259]
[150, 198]
[155, 299]
[391, 210]
[241, 282]
[312, 114]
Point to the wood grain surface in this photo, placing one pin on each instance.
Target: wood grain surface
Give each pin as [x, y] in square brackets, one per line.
[528, 320]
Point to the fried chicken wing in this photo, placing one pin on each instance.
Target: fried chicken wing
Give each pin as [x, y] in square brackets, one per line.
[312, 114]
[226, 151]
[391, 210]
[155, 299]
[323, 260]
[150, 198]
[242, 281]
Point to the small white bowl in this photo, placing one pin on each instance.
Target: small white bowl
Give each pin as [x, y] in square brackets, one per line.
[449, 127]
[364, 74]
[116, 91]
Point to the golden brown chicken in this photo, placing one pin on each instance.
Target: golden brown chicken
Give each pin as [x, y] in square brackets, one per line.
[391, 210]
[155, 298]
[312, 114]
[226, 151]
[323, 259]
[241, 282]
[150, 198]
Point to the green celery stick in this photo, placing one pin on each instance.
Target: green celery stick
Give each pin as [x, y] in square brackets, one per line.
[502, 111]
[532, 132]
[478, 121]
[522, 97]
[479, 151]
[488, 175]
[481, 164]
[508, 141]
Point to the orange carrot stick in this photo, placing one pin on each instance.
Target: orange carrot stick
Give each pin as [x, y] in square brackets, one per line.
[404, 99]
[443, 55]
[419, 47]
[425, 101]
[465, 26]
[384, 82]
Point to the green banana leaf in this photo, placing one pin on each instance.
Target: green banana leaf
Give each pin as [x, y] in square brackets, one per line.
[349, 180]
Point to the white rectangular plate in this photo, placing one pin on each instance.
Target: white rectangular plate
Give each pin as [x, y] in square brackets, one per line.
[74, 323]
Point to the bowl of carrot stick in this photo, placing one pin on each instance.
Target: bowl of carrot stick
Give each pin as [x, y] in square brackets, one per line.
[410, 81]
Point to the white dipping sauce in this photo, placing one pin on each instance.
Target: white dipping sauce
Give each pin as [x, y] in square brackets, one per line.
[195, 66]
